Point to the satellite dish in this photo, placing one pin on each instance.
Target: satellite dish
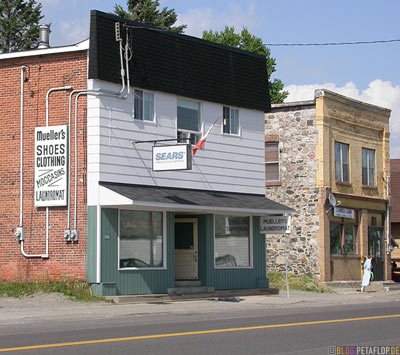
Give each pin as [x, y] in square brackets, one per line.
[332, 200]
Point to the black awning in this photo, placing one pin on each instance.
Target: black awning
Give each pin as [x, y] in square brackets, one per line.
[196, 200]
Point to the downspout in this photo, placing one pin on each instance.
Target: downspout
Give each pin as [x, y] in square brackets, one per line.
[95, 92]
[388, 215]
[21, 150]
[67, 232]
[19, 232]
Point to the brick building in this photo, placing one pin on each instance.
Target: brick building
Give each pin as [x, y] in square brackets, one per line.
[135, 226]
[328, 159]
[25, 80]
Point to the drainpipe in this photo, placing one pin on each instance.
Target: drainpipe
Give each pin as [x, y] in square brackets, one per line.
[19, 232]
[388, 215]
[95, 92]
[21, 172]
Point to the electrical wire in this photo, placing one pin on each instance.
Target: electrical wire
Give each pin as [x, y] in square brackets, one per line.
[329, 43]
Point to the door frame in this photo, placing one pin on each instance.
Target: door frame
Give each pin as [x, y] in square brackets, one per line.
[378, 263]
[195, 223]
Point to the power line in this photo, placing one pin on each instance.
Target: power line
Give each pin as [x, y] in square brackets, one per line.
[328, 43]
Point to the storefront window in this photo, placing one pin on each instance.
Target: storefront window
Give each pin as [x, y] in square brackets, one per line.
[343, 239]
[232, 241]
[141, 241]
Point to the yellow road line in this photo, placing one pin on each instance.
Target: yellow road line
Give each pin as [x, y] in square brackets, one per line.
[216, 331]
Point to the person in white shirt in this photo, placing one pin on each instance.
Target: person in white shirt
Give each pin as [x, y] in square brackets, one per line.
[367, 273]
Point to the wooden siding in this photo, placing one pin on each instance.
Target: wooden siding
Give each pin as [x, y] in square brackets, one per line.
[227, 163]
[91, 244]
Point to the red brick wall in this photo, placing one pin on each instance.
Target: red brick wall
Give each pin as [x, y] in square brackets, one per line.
[44, 72]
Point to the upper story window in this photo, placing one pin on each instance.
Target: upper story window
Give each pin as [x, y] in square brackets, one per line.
[342, 162]
[143, 106]
[368, 167]
[231, 120]
[189, 125]
[272, 161]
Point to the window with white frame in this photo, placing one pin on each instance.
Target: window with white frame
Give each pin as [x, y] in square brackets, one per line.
[272, 161]
[143, 106]
[141, 239]
[232, 241]
[188, 121]
[231, 120]
[342, 162]
[368, 167]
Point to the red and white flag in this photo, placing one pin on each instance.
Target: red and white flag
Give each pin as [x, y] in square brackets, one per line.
[202, 141]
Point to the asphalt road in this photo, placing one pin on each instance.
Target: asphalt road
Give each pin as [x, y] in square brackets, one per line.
[199, 329]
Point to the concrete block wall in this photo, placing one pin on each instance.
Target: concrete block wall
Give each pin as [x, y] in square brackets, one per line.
[43, 72]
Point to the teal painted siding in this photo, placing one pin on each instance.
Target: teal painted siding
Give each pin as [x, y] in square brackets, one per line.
[125, 282]
[91, 244]
[133, 281]
[224, 279]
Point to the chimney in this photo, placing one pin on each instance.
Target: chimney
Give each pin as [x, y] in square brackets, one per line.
[44, 31]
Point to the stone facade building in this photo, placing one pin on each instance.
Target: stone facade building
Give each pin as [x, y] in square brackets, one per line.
[333, 149]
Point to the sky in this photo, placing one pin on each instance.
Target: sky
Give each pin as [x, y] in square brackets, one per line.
[367, 72]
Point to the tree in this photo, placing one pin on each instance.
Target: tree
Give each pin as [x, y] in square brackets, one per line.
[19, 24]
[145, 11]
[245, 40]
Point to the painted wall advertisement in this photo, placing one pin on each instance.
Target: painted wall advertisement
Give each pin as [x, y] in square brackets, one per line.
[51, 148]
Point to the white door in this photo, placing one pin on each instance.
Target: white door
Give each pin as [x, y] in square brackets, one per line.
[186, 249]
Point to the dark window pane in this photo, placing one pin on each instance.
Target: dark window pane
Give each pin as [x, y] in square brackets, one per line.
[184, 236]
[335, 238]
[226, 120]
[138, 107]
[272, 172]
[188, 115]
[271, 152]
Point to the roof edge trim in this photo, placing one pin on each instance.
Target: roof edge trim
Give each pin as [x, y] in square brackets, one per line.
[81, 46]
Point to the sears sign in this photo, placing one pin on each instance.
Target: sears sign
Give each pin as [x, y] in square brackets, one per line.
[172, 157]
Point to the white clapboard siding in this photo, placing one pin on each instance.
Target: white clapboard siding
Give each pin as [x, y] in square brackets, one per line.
[228, 163]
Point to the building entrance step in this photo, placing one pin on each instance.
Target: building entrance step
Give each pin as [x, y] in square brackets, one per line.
[187, 290]
[187, 283]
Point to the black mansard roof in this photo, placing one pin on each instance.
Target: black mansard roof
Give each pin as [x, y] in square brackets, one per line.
[179, 64]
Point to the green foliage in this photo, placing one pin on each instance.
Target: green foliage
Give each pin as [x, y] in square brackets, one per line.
[247, 41]
[79, 291]
[146, 11]
[19, 25]
[296, 282]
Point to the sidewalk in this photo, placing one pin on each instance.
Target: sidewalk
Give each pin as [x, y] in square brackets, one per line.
[56, 306]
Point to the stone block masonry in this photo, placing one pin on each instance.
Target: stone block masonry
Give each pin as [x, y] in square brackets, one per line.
[295, 129]
[66, 260]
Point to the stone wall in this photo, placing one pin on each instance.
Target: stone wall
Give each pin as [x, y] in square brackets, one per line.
[294, 126]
